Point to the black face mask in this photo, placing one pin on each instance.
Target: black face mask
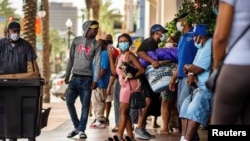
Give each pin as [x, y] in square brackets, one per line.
[109, 42]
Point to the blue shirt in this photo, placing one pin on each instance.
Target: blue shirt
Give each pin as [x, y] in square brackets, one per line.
[104, 80]
[186, 51]
[203, 60]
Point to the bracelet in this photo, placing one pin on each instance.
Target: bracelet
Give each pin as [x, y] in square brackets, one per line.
[190, 73]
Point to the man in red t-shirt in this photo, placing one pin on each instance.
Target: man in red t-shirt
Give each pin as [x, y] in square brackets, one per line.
[110, 91]
[109, 41]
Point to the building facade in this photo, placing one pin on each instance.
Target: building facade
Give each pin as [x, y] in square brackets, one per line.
[150, 12]
[59, 13]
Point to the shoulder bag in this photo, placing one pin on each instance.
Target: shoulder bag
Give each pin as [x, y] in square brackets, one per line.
[137, 99]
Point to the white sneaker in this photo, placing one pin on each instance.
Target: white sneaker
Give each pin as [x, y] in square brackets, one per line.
[98, 124]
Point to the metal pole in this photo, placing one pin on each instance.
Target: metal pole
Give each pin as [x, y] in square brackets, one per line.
[69, 37]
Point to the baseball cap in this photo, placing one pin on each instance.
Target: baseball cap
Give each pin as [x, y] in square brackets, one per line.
[180, 16]
[201, 29]
[14, 26]
[94, 26]
[158, 27]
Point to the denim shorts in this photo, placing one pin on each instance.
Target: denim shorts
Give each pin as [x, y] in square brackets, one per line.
[197, 107]
[182, 92]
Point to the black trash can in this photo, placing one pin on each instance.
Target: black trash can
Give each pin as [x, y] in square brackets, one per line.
[20, 107]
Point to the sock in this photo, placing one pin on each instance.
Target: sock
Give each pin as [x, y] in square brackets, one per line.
[76, 130]
[182, 138]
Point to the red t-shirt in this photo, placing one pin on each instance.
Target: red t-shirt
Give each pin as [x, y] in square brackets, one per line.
[115, 52]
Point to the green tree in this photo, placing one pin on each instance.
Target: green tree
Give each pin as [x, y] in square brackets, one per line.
[56, 41]
[107, 17]
[203, 14]
[199, 12]
[187, 7]
[172, 31]
[6, 11]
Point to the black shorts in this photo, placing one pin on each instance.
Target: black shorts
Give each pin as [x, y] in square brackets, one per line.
[146, 88]
[155, 107]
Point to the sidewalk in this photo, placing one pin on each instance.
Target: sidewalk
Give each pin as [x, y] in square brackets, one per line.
[59, 124]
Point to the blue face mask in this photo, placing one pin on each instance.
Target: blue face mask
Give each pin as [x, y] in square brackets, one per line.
[198, 45]
[123, 46]
[215, 11]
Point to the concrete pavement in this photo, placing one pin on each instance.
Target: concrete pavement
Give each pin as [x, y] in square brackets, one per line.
[59, 124]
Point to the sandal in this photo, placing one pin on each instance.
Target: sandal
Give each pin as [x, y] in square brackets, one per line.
[109, 139]
[115, 129]
[82, 135]
[116, 138]
[72, 134]
[129, 139]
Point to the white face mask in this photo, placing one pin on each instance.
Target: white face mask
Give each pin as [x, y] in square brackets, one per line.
[14, 37]
[167, 45]
[198, 45]
[179, 26]
[163, 37]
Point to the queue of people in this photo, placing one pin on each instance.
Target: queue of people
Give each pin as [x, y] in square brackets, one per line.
[187, 94]
[93, 74]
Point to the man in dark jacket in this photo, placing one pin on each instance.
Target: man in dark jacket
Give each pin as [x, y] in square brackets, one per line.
[84, 50]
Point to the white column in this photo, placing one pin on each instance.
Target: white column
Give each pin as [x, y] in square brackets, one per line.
[147, 19]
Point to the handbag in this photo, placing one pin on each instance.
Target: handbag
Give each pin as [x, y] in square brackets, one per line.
[137, 99]
[211, 82]
[159, 78]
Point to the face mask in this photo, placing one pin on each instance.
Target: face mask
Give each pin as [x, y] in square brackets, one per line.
[179, 26]
[215, 11]
[163, 37]
[198, 45]
[14, 37]
[109, 42]
[169, 45]
[123, 46]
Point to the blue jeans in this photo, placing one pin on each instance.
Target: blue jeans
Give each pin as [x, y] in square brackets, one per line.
[79, 86]
[117, 88]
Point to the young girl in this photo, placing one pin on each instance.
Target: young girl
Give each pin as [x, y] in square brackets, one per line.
[124, 42]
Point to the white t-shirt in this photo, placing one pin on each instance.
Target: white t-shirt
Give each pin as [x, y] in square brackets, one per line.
[240, 53]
